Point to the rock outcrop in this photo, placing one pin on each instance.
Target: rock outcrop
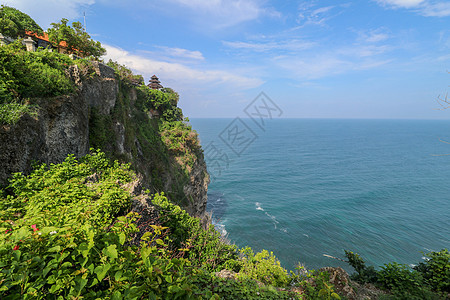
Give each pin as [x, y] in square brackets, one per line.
[63, 127]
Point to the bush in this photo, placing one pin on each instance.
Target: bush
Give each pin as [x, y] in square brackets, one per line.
[436, 270]
[11, 112]
[263, 267]
[65, 233]
[428, 280]
[32, 74]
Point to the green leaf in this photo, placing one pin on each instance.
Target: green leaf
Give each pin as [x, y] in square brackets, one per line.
[111, 251]
[54, 249]
[335, 296]
[80, 284]
[116, 296]
[168, 278]
[101, 271]
[122, 238]
[146, 235]
[118, 275]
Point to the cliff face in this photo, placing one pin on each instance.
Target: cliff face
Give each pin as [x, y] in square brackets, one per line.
[103, 113]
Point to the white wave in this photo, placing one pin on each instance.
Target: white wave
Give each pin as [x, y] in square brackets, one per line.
[258, 206]
[306, 235]
[284, 230]
[221, 229]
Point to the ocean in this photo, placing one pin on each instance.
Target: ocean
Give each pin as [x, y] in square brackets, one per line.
[303, 188]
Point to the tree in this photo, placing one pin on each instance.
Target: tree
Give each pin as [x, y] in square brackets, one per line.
[76, 39]
[14, 23]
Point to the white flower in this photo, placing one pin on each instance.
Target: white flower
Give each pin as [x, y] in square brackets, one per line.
[53, 232]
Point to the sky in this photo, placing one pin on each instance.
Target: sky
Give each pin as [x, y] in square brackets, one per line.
[313, 59]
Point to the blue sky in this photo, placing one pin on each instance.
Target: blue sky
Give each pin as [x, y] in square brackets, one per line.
[314, 59]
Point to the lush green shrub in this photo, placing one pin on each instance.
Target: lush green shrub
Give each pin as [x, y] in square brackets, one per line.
[262, 266]
[62, 236]
[435, 270]
[125, 74]
[32, 74]
[204, 248]
[164, 101]
[11, 112]
[364, 274]
[14, 23]
[316, 285]
[394, 276]
[429, 280]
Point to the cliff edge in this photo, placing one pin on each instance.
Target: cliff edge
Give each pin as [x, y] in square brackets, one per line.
[122, 119]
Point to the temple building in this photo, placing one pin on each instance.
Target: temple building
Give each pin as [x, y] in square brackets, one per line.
[155, 84]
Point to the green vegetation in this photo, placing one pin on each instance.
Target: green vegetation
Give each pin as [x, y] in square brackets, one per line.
[32, 74]
[10, 113]
[75, 38]
[26, 75]
[67, 231]
[125, 75]
[430, 279]
[14, 23]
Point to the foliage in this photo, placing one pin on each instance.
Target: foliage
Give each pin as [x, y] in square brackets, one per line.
[262, 266]
[65, 233]
[400, 280]
[435, 270]
[75, 39]
[363, 274]
[164, 101]
[125, 74]
[14, 23]
[10, 113]
[204, 247]
[212, 287]
[26, 75]
[32, 74]
[428, 280]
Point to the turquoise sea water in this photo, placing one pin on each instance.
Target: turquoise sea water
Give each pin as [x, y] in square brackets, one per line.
[307, 187]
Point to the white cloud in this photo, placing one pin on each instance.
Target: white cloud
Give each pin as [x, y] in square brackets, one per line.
[377, 37]
[428, 8]
[289, 45]
[373, 36]
[179, 75]
[179, 53]
[45, 12]
[402, 3]
[440, 9]
[310, 15]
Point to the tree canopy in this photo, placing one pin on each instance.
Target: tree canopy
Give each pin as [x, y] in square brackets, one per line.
[14, 23]
[77, 40]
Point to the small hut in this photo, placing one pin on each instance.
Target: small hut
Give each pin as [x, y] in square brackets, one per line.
[154, 84]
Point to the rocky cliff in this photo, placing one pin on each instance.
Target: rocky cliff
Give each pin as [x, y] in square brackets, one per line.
[106, 112]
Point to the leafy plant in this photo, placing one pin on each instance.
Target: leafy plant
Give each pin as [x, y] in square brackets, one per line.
[262, 266]
[14, 23]
[10, 113]
[32, 74]
[363, 274]
[435, 270]
[75, 39]
[428, 280]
